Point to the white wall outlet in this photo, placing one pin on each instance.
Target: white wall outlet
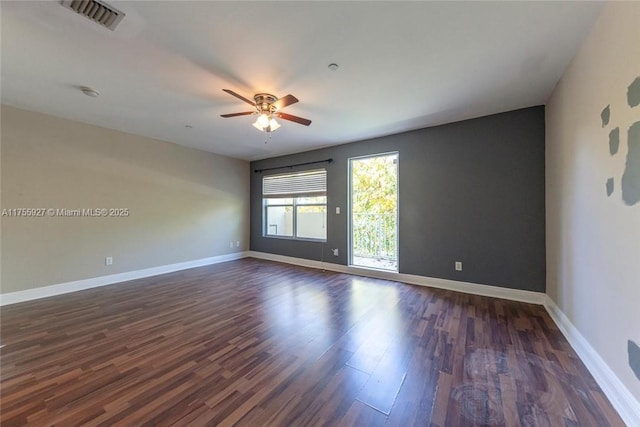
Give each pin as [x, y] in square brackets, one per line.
[337, 210]
[335, 252]
[238, 244]
[108, 260]
[458, 265]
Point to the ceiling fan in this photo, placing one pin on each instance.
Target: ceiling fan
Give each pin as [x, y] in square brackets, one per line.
[267, 108]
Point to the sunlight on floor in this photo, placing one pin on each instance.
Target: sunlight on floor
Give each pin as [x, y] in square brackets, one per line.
[382, 264]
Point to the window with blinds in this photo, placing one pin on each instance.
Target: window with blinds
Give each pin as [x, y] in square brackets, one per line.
[295, 205]
[295, 184]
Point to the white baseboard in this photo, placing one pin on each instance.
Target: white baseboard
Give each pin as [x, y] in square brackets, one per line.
[618, 394]
[453, 285]
[78, 285]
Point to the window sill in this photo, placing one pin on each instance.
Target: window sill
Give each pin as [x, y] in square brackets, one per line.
[299, 239]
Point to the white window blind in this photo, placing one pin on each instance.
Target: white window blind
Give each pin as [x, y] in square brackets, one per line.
[309, 183]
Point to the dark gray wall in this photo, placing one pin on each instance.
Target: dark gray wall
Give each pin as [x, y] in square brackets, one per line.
[470, 191]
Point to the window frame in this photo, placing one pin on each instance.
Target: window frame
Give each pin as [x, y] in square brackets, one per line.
[265, 217]
[294, 209]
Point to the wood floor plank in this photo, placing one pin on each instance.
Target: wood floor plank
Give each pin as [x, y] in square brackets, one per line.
[258, 343]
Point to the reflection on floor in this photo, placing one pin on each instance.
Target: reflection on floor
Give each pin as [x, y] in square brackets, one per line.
[378, 263]
[258, 343]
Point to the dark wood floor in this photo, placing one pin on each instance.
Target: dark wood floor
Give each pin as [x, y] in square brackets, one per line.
[258, 343]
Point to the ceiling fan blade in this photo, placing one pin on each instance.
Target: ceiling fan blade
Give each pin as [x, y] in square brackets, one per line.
[248, 101]
[283, 102]
[246, 113]
[296, 119]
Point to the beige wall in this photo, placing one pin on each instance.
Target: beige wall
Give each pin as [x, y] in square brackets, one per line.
[184, 204]
[593, 241]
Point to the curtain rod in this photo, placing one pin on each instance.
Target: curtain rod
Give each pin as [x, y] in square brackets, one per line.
[293, 166]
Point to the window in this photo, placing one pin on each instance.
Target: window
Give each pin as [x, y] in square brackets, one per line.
[295, 205]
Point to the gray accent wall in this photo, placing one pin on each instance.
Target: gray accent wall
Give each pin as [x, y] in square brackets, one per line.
[471, 191]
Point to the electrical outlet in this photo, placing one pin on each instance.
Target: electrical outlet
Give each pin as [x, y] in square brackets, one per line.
[108, 260]
[337, 210]
[238, 244]
[458, 265]
[335, 252]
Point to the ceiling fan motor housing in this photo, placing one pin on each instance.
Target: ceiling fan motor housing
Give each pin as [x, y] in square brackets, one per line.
[264, 101]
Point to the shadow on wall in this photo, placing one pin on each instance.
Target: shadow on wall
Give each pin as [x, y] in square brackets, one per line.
[634, 357]
[631, 177]
[630, 182]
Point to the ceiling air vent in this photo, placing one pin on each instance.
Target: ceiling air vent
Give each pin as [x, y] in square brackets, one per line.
[97, 11]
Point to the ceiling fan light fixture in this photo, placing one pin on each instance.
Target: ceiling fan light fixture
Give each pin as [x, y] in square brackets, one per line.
[263, 120]
[273, 124]
[257, 126]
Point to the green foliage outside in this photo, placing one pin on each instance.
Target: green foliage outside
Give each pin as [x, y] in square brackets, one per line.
[374, 184]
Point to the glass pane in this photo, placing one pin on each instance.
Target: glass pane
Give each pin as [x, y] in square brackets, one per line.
[311, 200]
[279, 221]
[278, 201]
[311, 222]
[374, 212]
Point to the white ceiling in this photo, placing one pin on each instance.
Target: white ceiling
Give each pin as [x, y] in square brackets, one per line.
[403, 65]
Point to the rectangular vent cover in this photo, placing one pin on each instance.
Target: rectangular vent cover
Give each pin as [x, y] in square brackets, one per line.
[97, 11]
